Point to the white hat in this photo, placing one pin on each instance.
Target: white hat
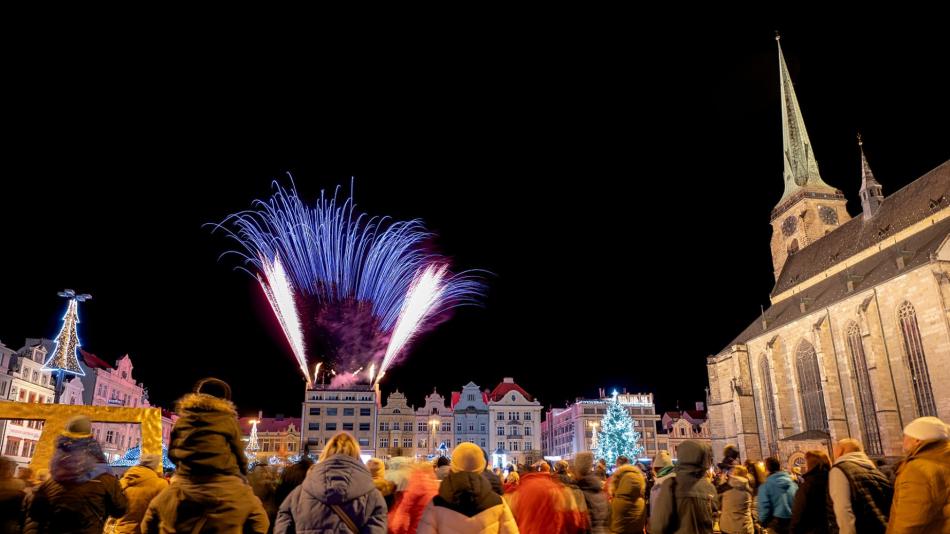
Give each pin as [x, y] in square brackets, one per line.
[924, 428]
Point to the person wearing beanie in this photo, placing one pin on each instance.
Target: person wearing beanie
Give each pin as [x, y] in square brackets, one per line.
[686, 503]
[662, 471]
[81, 493]
[210, 484]
[466, 503]
[141, 484]
[592, 487]
[922, 487]
[206, 438]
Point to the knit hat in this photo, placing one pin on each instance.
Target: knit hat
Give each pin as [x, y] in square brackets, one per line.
[151, 461]
[468, 457]
[924, 428]
[79, 424]
[583, 463]
[662, 459]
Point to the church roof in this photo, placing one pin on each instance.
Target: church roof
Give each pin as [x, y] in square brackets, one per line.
[874, 270]
[918, 200]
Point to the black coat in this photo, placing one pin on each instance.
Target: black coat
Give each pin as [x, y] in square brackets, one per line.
[64, 508]
[808, 509]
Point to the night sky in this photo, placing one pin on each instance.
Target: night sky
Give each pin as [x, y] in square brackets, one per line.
[617, 185]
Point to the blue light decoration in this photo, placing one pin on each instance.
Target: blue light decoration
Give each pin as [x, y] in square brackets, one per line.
[132, 456]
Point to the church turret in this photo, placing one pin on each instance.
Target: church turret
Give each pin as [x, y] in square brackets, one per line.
[872, 194]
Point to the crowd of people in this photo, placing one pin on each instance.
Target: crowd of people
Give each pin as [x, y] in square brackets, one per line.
[213, 491]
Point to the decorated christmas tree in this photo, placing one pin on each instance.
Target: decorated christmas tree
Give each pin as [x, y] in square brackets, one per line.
[617, 436]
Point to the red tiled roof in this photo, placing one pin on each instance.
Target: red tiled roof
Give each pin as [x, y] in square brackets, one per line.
[506, 387]
[269, 424]
[94, 362]
[457, 396]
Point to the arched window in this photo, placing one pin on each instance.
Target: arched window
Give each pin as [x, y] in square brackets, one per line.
[867, 410]
[809, 380]
[766, 371]
[916, 361]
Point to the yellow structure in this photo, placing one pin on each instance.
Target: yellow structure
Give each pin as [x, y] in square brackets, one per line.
[57, 415]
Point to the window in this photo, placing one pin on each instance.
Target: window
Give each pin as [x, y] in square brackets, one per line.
[422, 443]
[866, 408]
[916, 361]
[109, 436]
[501, 416]
[348, 412]
[809, 378]
[364, 427]
[471, 427]
[364, 442]
[13, 447]
[448, 443]
[3, 389]
[314, 411]
[407, 443]
[682, 431]
[348, 427]
[313, 426]
[501, 431]
[364, 412]
[36, 377]
[482, 427]
[407, 427]
[384, 427]
[458, 426]
[513, 445]
[482, 442]
[527, 416]
[527, 445]
[527, 430]
[331, 411]
[421, 427]
[769, 403]
[331, 427]
[290, 446]
[265, 446]
[44, 379]
[32, 397]
[471, 396]
[512, 397]
[384, 443]
[446, 427]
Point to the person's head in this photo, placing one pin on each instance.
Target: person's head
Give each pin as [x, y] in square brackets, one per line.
[151, 461]
[602, 462]
[376, 467]
[442, 461]
[341, 443]
[7, 468]
[661, 460]
[740, 471]
[214, 387]
[847, 446]
[924, 429]
[583, 464]
[79, 427]
[513, 478]
[543, 467]
[467, 457]
[562, 467]
[817, 459]
[772, 465]
[622, 460]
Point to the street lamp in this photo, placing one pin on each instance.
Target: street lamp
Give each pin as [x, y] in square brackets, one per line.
[593, 438]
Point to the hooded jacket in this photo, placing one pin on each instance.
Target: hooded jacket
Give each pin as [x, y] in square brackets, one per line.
[140, 485]
[922, 491]
[466, 504]
[736, 506]
[339, 480]
[776, 497]
[628, 507]
[206, 439]
[686, 502]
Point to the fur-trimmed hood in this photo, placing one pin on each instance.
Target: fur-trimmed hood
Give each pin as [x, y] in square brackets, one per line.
[206, 439]
[202, 402]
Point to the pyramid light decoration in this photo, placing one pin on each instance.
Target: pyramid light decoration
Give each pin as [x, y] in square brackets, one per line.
[65, 355]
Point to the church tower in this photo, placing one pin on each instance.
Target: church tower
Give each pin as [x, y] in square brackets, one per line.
[809, 208]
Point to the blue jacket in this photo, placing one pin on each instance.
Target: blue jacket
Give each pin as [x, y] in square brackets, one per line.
[776, 497]
[339, 480]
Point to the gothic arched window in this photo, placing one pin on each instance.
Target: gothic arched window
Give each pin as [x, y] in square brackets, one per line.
[809, 381]
[867, 410]
[916, 361]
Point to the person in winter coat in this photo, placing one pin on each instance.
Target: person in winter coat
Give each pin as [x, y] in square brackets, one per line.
[736, 503]
[860, 494]
[262, 480]
[492, 476]
[208, 492]
[377, 470]
[292, 477]
[922, 487]
[466, 503]
[420, 488]
[628, 507]
[776, 497]
[442, 468]
[338, 495]
[592, 488]
[686, 503]
[810, 508]
[141, 484]
[81, 493]
[206, 438]
[663, 471]
[512, 481]
[12, 495]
